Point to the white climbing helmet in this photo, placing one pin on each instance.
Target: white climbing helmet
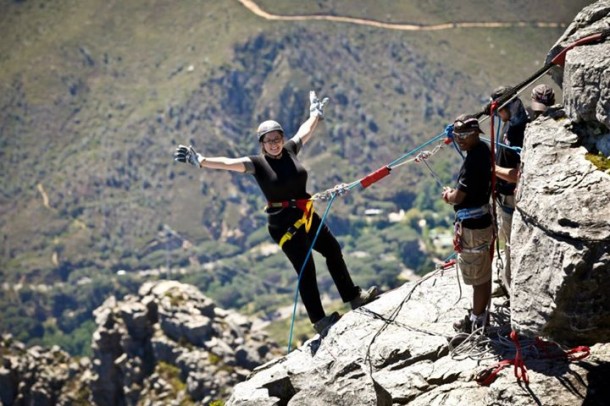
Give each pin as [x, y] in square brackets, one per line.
[267, 127]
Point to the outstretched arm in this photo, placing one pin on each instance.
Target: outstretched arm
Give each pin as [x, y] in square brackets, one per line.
[316, 113]
[190, 156]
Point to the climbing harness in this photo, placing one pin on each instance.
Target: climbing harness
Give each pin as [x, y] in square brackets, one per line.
[460, 216]
[306, 205]
[472, 212]
[506, 208]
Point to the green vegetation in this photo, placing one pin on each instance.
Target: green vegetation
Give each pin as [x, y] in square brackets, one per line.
[95, 99]
[599, 160]
[171, 374]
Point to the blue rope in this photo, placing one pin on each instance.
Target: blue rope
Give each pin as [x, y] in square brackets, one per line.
[405, 156]
[516, 149]
[458, 149]
[449, 134]
[296, 293]
[453, 254]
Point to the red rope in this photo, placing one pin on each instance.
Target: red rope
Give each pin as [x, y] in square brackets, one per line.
[487, 376]
[573, 354]
[520, 369]
[492, 110]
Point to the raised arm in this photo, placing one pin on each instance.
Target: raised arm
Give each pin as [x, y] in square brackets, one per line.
[316, 113]
[190, 156]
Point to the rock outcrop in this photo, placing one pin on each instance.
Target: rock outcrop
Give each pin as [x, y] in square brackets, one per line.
[39, 376]
[561, 252]
[169, 344]
[591, 20]
[396, 351]
[169, 336]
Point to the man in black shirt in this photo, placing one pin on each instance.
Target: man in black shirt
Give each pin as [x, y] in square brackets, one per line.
[514, 120]
[473, 225]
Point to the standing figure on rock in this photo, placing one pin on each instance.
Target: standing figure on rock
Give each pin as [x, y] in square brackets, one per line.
[508, 161]
[292, 222]
[473, 223]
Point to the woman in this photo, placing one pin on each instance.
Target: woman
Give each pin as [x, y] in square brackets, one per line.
[292, 223]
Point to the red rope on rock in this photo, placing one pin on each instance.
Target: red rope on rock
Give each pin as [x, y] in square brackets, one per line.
[520, 369]
[489, 375]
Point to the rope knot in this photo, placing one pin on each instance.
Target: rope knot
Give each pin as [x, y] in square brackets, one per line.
[423, 156]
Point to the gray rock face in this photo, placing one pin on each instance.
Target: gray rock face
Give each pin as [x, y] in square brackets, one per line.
[170, 332]
[587, 84]
[368, 359]
[39, 376]
[591, 20]
[561, 252]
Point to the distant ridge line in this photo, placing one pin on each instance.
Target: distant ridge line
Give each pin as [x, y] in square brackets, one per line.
[255, 9]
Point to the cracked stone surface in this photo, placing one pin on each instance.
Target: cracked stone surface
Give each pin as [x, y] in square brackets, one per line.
[561, 249]
[409, 362]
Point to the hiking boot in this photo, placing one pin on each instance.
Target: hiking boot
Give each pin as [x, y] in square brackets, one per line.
[500, 291]
[471, 323]
[364, 297]
[326, 322]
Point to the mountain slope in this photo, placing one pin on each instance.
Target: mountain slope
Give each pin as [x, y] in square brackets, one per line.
[96, 95]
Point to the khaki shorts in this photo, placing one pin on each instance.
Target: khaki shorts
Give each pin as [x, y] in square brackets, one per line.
[475, 261]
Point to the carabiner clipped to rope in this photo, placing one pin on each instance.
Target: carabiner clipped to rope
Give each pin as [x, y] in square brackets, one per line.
[338, 190]
[422, 156]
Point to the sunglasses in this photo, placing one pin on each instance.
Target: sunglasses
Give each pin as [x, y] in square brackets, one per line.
[463, 136]
[273, 141]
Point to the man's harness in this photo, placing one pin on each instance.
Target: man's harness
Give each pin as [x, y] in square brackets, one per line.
[461, 215]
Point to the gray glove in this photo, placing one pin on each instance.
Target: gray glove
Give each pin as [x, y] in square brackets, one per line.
[316, 107]
[188, 155]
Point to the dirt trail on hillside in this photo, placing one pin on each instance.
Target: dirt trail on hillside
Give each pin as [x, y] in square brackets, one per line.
[254, 8]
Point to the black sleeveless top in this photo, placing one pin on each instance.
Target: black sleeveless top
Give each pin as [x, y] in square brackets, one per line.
[280, 180]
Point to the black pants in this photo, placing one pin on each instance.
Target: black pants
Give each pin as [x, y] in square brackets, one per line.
[296, 250]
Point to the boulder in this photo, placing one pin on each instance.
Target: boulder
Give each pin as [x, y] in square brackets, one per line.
[591, 20]
[171, 332]
[401, 349]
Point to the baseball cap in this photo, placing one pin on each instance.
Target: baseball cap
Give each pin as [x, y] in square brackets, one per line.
[542, 97]
[466, 124]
